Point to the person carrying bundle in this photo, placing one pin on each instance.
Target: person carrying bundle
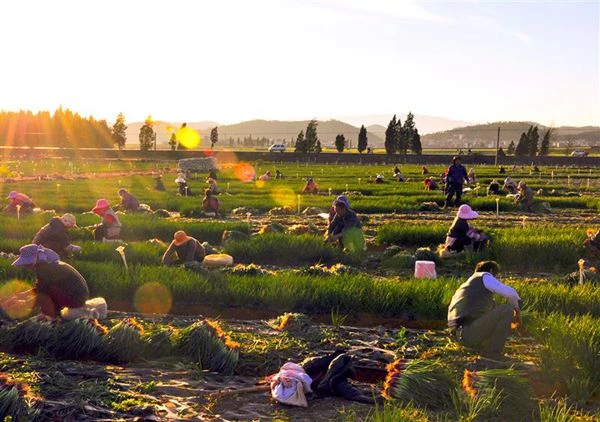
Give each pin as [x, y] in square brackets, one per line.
[58, 285]
[461, 235]
[475, 320]
[187, 249]
[524, 197]
[19, 203]
[55, 235]
[109, 227]
[128, 201]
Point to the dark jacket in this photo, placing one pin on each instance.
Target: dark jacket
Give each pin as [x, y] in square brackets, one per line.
[129, 202]
[471, 301]
[339, 224]
[459, 228]
[192, 250]
[54, 235]
[456, 174]
[59, 285]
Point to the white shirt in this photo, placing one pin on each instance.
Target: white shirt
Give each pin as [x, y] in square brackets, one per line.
[493, 285]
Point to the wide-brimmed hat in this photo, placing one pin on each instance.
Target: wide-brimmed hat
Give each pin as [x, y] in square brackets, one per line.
[13, 194]
[69, 220]
[466, 212]
[180, 237]
[101, 204]
[32, 254]
[180, 180]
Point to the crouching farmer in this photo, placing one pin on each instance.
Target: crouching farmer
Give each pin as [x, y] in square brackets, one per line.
[110, 226]
[188, 250]
[55, 235]
[474, 318]
[58, 285]
[344, 222]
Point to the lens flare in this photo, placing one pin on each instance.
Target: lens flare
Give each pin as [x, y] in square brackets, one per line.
[283, 196]
[244, 172]
[188, 137]
[153, 298]
[16, 307]
[260, 183]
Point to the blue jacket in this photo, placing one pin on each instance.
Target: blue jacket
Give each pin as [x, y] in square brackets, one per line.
[456, 174]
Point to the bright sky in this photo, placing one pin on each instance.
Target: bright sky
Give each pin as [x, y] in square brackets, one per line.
[235, 60]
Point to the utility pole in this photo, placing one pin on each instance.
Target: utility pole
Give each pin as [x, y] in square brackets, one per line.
[497, 146]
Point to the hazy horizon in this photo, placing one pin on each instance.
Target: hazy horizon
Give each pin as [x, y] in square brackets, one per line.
[233, 61]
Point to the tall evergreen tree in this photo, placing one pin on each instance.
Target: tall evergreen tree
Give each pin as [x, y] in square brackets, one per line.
[390, 137]
[173, 141]
[511, 148]
[311, 138]
[522, 148]
[340, 142]
[147, 135]
[119, 135]
[545, 146]
[406, 133]
[300, 143]
[363, 141]
[415, 142]
[534, 138]
[214, 137]
[318, 147]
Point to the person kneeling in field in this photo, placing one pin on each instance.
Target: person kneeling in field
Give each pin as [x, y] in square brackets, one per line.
[493, 188]
[210, 204]
[58, 285]
[128, 201]
[19, 203]
[524, 197]
[188, 250]
[310, 187]
[55, 235]
[110, 226]
[344, 220]
[462, 235]
[475, 320]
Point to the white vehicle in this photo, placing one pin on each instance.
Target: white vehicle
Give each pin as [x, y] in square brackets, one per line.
[579, 153]
[277, 148]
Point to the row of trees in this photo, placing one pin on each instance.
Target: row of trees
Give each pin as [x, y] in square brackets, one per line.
[363, 141]
[310, 142]
[528, 143]
[63, 128]
[400, 138]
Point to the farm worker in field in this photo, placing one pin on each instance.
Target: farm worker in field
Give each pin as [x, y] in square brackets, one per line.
[332, 208]
[58, 285]
[158, 183]
[187, 249]
[183, 187]
[502, 170]
[210, 204]
[379, 179]
[462, 235]
[55, 235]
[430, 184]
[398, 175]
[344, 221]
[310, 187]
[493, 188]
[110, 226]
[128, 201]
[212, 185]
[278, 174]
[510, 185]
[471, 176]
[424, 170]
[265, 177]
[18, 199]
[524, 196]
[455, 176]
[212, 173]
[475, 320]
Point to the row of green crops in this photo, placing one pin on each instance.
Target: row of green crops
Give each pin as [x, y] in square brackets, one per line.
[292, 291]
[533, 247]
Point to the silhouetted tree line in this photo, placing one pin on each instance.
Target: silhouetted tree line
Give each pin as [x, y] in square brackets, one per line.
[63, 128]
[528, 143]
[400, 138]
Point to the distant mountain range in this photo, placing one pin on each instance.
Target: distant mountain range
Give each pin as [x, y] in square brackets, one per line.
[466, 136]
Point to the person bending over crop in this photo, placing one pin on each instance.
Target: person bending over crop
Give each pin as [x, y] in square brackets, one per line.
[510, 186]
[55, 235]
[493, 188]
[186, 248]
[110, 226]
[210, 204]
[23, 202]
[128, 201]
[342, 222]
[430, 184]
[462, 235]
[475, 320]
[310, 187]
[58, 285]
[524, 197]
[183, 187]
[158, 183]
